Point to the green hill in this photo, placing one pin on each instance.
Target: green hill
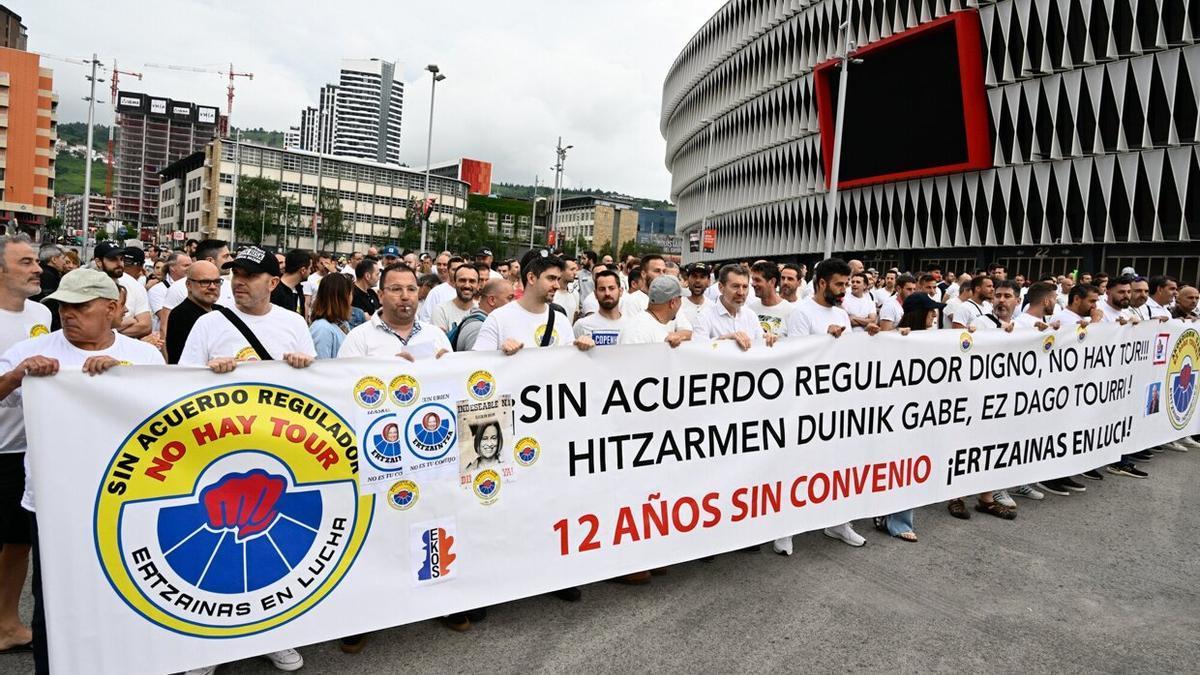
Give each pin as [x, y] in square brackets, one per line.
[68, 175]
[75, 133]
[516, 191]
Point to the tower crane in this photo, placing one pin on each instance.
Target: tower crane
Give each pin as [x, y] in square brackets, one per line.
[230, 73]
[116, 76]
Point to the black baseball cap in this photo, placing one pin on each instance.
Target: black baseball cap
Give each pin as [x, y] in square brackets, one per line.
[921, 301]
[484, 253]
[135, 255]
[109, 249]
[254, 260]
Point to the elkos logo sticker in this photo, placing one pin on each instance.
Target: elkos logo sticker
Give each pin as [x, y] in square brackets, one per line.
[432, 552]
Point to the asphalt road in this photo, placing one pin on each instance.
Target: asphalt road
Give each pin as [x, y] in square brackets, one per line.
[1106, 581]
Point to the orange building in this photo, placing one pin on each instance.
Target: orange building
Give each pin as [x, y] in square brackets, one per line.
[27, 135]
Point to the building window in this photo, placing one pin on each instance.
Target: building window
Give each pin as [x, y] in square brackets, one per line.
[227, 178]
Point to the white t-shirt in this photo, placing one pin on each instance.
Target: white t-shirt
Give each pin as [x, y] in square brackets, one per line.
[1112, 314]
[156, 296]
[1067, 318]
[569, 301]
[858, 307]
[591, 305]
[280, 331]
[438, 295]
[984, 322]
[644, 329]
[55, 346]
[948, 314]
[177, 293]
[32, 322]
[690, 310]
[880, 296]
[513, 321]
[447, 315]
[892, 311]
[968, 311]
[1025, 321]
[634, 302]
[773, 318]
[602, 330]
[136, 300]
[376, 338]
[810, 318]
[310, 285]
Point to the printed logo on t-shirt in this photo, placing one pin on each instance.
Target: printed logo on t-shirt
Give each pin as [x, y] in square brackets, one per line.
[771, 325]
[541, 332]
[247, 353]
[605, 337]
[38, 330]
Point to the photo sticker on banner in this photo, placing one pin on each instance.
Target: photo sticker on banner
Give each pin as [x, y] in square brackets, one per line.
[481, 385]
[1161, 342]
[1153, 396]
[430, 438]
[965, 341]
[487, 487]
[247, 532]
[1181, 379]
[485, 432]
[404, 390]
[527, 451]
[432, 551]
[403, 495]
[1081, 332]
[1048, 343]
[383, 447]
[369, 393]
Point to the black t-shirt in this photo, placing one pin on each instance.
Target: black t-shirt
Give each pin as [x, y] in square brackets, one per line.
[288, 298]
[179, 326]
[366, 300]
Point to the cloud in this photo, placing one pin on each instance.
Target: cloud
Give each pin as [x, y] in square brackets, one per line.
[519, 73]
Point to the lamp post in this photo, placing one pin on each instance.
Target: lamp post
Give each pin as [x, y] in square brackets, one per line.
[831, 215]
[437, 77]
[707, 122]
[560, 161]
[533, 212]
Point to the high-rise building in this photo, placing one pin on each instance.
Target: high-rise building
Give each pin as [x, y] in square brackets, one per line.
[359, 116]
[12, 31]
[153, 132]
[27, 134]
[291, 138]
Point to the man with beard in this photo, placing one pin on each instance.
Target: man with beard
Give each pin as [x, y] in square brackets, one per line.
[605, 325]
[109, 258]
[366, 278]
[449, 314]
[770, 308]
[395, 329]
[790, 278]
[493, 295]
[529, 321]
[1081, 306]
[1116, 301]
[697, 283]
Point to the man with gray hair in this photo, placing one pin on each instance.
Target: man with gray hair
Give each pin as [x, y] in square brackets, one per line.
[53, 261]
[176, 266]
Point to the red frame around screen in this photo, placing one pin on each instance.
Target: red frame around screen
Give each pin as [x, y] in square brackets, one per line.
[969, 32]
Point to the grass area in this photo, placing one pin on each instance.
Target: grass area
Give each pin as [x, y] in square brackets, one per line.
[68, 175]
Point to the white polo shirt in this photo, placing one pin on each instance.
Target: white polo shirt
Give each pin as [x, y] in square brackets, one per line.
[715, 321]
[376, 338]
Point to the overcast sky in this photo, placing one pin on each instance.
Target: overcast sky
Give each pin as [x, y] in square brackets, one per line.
[519, 72]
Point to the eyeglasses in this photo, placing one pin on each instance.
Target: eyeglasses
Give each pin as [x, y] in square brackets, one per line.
[398, 289]
[207, 282]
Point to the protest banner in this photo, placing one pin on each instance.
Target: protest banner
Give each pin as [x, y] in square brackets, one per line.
[188, 518]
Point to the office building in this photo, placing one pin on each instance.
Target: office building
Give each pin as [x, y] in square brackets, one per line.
[152, 133]
[12, 31]
[594, 222]
[28, 131]
[656, 227]
[197, 195]
[291, 138]
[477, 173]
[359, 116]
[70, 209]
[1048, 135]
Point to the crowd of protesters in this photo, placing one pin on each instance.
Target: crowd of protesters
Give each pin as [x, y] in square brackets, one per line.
[209, 306]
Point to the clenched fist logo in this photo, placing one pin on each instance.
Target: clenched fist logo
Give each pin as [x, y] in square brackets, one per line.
[243, 502]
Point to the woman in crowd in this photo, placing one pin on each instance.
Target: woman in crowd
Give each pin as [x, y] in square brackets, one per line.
[331, 315]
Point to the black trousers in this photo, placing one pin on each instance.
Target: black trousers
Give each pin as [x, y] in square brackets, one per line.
[41, 652]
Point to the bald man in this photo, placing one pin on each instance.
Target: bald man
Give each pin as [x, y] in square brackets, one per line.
[203, 289]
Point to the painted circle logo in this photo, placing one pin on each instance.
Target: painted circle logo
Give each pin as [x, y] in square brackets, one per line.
[234, 520]
[1081, 332]
[247, 354]
[404, 390]
[382, 444]
[965, 341]
[526, 451]
[368, 392]
[38, 330]
[1181, 378]
[541, 332]
[487, 486]
[481, 385]
[1048, 343]
[403, 495]
[430, 431]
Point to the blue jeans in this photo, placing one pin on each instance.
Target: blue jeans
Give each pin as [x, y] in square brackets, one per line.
[899, 523]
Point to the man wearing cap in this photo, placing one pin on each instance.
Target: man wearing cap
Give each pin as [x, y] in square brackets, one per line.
[660, 322]
[697, 279]
[135, 264]
[109, 258]
[484, 256]
[221, 339]
[391, 254]
[88, 301]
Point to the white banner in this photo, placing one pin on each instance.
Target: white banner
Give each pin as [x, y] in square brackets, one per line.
[200, 518]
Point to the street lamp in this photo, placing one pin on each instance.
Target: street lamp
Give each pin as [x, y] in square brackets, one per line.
[708, 123]
[437, 77]
[561, 160]
[831, 216]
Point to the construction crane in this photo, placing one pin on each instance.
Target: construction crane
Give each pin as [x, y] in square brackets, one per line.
[231, 73]
[116, 76]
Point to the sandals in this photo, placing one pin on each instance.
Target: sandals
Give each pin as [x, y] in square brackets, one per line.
[958, 509]
[996, 509]
[909, 536]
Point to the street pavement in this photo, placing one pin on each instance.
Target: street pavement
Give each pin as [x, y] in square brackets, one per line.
[1106, 581]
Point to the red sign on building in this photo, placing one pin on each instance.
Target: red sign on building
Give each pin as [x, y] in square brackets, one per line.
[710, 240]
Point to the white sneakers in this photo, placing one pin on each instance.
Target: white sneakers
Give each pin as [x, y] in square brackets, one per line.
[287, 660]
[783, 546]
[845, 533]
[1001, 497]
[1180, 445]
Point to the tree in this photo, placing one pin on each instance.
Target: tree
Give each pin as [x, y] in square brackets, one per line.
[333, 227]
[53, 228]
[632, 247]
[259, 209]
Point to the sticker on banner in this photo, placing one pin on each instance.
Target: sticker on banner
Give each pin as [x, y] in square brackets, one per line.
[404, 390]
[1153, 396]
[368, 392]
[403, 495]
[1081, 332]
[219, 526]
[965, 341]
[485, 433]
[526, 451]
[481, 385]
[487, 486]
[1048, 343]
[430, 438]
[1161, 342]
[1181, 379]
[432, 551]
